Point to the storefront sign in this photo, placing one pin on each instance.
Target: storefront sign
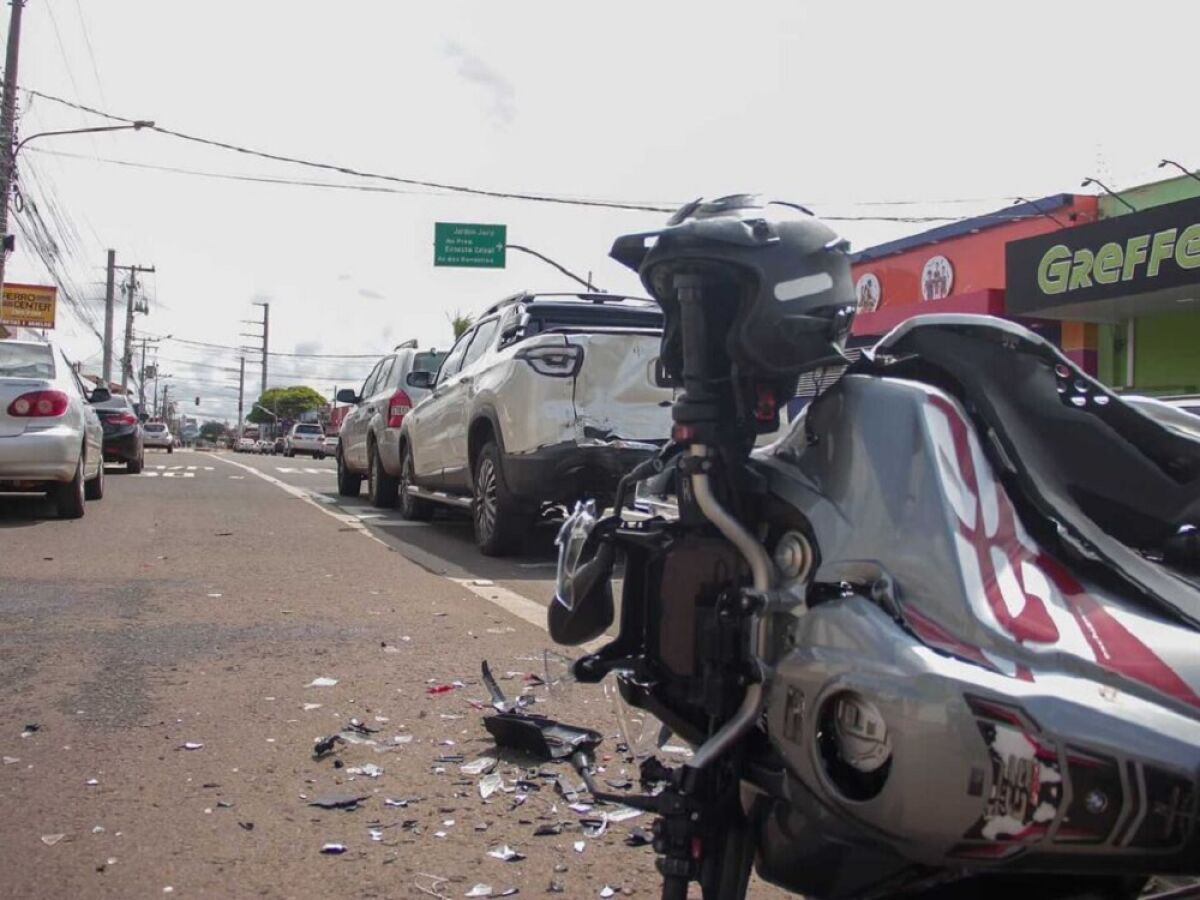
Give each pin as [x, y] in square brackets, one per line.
[937, 279]
[869, 292]
[28, 305]
[1119, 257]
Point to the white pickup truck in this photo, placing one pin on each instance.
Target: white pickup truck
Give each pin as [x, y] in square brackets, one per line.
[548, 398]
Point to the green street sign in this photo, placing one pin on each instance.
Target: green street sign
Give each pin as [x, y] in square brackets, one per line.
[469, 245]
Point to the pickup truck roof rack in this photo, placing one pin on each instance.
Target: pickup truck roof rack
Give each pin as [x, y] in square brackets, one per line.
[581, 296]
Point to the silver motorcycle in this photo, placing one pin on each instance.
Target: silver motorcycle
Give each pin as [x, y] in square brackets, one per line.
[939, 640]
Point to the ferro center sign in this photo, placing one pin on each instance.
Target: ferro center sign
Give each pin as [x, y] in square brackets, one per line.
[469, 245]
[29, 305]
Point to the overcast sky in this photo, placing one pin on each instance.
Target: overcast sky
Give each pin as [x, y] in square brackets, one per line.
[844, 106]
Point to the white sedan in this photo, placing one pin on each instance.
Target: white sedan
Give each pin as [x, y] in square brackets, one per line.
[50, 437]
[157, 434]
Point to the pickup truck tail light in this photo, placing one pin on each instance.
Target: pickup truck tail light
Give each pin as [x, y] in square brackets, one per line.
[398, 407]
[38, 404]
[555, 361]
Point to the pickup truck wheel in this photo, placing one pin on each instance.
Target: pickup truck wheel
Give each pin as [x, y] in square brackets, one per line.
[382, 489]
[349, 484]
[501, 523]
[412, 508]
[68, 496]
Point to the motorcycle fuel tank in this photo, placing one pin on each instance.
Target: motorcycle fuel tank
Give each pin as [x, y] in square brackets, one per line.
[969, 700]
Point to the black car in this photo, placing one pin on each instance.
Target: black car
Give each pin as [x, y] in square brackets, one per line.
[122, 432]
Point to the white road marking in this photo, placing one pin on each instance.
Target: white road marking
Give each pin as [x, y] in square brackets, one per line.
[178, 474]
[522, 607]
[299, 470]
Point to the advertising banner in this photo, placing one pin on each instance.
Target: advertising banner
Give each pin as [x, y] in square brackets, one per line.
[29, 305]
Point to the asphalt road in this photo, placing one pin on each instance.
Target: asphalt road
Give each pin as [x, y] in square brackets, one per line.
[445, 545]
[193, 607]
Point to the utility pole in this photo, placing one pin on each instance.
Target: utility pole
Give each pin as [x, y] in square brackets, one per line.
[109, 302]
[265, 337]
[142, 377]
[266, 341]
[8, 121]
[241, 388]
[130, 290]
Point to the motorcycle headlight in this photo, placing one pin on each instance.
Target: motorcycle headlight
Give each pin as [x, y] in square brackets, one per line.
[570, 542]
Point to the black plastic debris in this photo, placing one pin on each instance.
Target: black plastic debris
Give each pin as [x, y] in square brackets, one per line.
[246, 826]
[548, 830]
[357, 727]
[638, 837]
[338, 801]
[540, 736]
[326, 745]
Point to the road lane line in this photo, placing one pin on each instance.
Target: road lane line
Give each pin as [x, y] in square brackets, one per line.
[511, 602]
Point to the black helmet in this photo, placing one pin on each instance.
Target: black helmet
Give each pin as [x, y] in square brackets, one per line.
[779, 279]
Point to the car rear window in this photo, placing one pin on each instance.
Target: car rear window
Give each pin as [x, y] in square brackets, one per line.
[429, 361]
[546, 316]
[309, 429]
[26, 361]
[117, 401]
[155, 426]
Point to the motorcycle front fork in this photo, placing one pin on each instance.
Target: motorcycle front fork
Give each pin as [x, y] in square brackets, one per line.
[701, 835]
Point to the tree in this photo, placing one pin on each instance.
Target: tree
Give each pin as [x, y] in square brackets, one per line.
[460, 323]
[213, 431]
[286, 402]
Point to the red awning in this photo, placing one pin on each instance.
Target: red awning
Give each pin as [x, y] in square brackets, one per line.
[988, 302]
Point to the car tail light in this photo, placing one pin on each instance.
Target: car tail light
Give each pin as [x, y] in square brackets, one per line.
[555, 361]
[398, 407]
[39, 404]
[123, 419]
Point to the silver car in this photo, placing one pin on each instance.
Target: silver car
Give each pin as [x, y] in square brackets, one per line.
[369, 444]
[51, 439]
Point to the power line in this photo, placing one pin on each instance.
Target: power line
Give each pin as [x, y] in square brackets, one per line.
[359, 173]
[278, 353]
[379, 189]
[91, 52]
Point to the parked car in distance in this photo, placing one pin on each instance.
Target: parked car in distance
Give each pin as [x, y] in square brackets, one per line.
[1181, 414]
[306, 438]
[264, 447]
[279, 445]
[51, 439]
[244, 445]
[1189, 403]
[157, 434]
[548, 398]
[330, 444]
[369, 439]
[122, 432]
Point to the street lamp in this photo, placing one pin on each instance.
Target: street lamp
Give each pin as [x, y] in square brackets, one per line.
[1182, 168]
[133, 126]
[1104, 187]
[10, 167]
